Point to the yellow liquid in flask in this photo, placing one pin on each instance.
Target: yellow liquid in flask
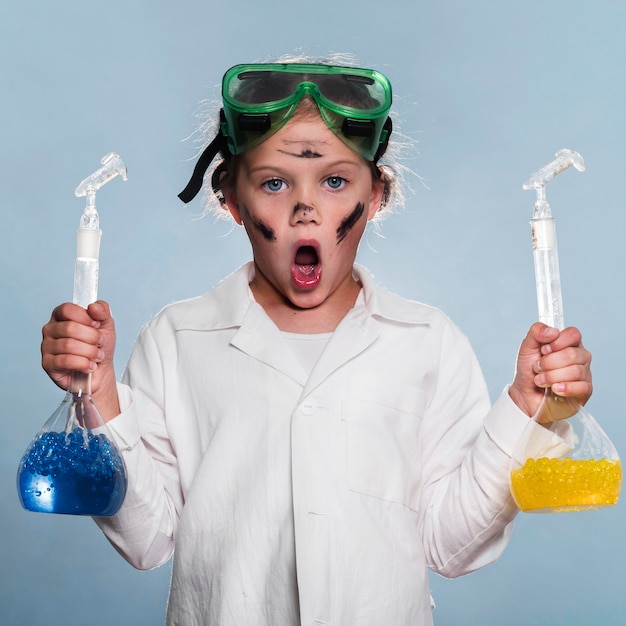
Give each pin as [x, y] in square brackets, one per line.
[559, 485]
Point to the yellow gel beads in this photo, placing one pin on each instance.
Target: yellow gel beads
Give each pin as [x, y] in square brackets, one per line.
[558, 485]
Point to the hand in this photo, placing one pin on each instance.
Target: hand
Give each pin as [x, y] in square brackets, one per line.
[549, 358]
[83, 340]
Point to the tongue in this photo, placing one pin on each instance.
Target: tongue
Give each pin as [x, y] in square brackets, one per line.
[306, 256]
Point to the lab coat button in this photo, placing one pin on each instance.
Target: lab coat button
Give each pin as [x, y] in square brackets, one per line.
[308, 407]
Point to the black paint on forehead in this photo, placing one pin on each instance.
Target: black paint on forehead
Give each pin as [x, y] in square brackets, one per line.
[306, 153]
[349, 222]
[309, 154]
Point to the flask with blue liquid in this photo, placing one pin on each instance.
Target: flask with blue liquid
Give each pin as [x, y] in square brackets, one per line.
[72, 466]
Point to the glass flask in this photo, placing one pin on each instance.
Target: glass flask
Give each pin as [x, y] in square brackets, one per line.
[72, 465]
[568, 465]
[564, 461]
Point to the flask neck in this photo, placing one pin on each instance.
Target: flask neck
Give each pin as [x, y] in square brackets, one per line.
[555, 408]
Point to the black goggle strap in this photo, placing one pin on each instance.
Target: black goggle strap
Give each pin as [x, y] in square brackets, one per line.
[220, 144]
[194, 185]
[384, 139]
[365, 128]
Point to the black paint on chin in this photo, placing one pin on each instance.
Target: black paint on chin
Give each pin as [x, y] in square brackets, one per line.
[348, 223]
[267, 232]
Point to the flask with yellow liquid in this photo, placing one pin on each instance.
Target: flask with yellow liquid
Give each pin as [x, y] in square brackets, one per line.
[564, 460]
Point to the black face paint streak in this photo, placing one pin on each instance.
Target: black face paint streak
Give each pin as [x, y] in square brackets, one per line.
[300, 207]
[349, 222]
[265, 230]
[305, 154]
[309, 154]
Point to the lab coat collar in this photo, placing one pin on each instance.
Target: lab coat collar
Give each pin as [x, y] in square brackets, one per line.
[223, 307]
[230, 302]
[231, 305]
[386, 305]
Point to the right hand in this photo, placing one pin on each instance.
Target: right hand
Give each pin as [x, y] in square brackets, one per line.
[83, 340]
[556, 360]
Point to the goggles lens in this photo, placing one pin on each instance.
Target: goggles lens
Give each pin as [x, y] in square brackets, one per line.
[259, 99]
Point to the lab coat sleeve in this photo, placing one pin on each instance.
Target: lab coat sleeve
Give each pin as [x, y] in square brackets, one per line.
[467, 509]
[143, 530]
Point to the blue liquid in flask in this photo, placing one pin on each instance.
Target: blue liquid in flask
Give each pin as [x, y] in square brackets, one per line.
[77, 473]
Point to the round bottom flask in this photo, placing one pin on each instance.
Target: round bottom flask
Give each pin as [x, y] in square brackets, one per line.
[564, 461]
[72, 466]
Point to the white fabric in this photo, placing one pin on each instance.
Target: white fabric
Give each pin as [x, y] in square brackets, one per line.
[309, 499]
[307, 348]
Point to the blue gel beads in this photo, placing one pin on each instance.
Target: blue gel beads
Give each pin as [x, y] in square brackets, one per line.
[80, 473]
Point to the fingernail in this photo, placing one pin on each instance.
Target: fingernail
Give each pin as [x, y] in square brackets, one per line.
[558, 387]
[100, 355]
[546, 348]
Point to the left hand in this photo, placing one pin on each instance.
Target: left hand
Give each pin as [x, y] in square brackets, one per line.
[549, 358]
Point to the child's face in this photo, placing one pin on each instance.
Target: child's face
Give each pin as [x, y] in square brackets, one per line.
[304, 199]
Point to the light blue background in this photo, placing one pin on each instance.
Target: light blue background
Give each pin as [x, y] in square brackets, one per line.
[489, 90]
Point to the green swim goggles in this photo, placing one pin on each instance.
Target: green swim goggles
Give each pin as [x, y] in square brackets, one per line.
[259, 99]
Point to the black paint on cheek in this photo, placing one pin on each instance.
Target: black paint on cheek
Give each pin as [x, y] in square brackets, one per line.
[265, 230]
[349, 222]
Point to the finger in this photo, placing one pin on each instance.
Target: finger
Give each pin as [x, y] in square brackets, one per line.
[67, 353]
[71, 312]
[538, 335]
[568, 337]
[572, 373]
[67, 346]
[574, 389]
[71, 330]
[100, 311]
[563, 358]
[70, 345]
[61, 364]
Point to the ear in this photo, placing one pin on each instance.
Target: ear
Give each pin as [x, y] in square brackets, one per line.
[376, 196]
[232, 204]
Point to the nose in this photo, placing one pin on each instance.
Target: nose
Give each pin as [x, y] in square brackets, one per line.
[304, 213]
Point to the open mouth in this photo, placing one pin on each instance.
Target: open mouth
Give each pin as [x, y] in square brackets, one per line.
[306, 270]
[306, 259]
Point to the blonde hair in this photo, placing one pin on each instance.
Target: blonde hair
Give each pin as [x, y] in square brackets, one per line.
[223, 173]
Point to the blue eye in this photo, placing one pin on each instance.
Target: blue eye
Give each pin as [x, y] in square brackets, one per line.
[274, 184]
[335, 182]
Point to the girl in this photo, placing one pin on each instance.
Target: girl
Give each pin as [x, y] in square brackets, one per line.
[305, 443]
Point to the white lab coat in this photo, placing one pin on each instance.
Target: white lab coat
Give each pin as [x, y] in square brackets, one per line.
[316, 499]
